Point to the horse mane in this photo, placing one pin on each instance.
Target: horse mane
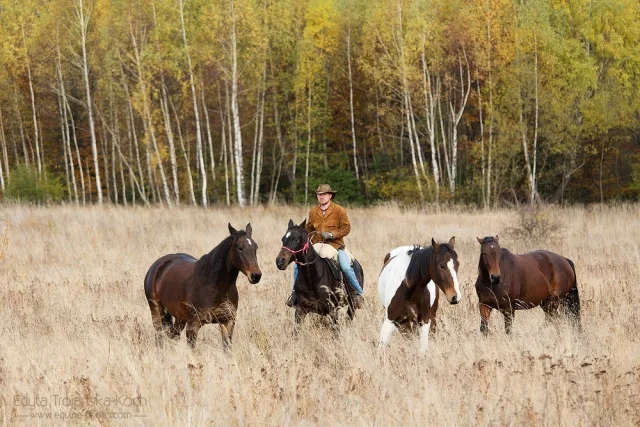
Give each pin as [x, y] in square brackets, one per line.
[418, 269]
[215, 262]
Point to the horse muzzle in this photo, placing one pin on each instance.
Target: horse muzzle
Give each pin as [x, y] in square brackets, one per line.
[495, 279]
[282, 263]
[254, 277]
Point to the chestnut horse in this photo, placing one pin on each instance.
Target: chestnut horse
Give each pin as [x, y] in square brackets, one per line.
[407, 287]
[317, 288]
[183, 291]
[509, 282]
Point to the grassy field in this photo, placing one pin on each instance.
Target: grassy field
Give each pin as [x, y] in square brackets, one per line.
[77, 324]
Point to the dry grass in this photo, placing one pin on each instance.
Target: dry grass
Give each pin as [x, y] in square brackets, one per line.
[77, 324]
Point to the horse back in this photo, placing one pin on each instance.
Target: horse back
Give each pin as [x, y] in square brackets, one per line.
[557, 271]
[164, 268]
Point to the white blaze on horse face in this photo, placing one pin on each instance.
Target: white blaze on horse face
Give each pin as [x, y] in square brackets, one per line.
[388, 328]
[248, 240]
[424, 336]
[456, 285]
[286, 236]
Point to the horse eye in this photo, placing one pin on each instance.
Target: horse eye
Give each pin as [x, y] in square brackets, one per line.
[442, 267]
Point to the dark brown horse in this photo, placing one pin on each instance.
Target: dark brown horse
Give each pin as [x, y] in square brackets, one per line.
[408, 287]
[509, 282]
[183, 291]
[317, 288]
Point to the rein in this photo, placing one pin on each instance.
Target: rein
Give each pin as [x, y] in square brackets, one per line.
[304, 251]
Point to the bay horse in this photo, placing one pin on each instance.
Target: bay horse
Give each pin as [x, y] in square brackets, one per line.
[509, 282]
[408, 287]
[183, 291]
[317, 288]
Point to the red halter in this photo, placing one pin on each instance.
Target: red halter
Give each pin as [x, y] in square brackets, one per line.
[304, 250]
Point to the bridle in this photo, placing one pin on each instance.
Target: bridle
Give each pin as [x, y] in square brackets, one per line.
[304, 251]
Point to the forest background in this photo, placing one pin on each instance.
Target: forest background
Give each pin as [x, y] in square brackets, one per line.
[244, 102]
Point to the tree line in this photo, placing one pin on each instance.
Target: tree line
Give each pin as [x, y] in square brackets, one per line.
[249, 102]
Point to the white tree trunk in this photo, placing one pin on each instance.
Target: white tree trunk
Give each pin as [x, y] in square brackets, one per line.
[353, 122]
[84, 24]
[456, 115]
[306, 169]
[234, 110]
[192, 193]
[33, 104]
[199, 156]
[171, 140]
[430, 116]
[147, 123]
[5, 157]
[223, 151]
[75, 144]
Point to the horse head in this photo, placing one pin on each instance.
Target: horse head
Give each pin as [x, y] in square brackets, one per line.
[244, 253]
[445, 270]
[490, 258]
[294, 242]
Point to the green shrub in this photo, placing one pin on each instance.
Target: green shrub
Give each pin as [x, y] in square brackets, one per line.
[23, 186]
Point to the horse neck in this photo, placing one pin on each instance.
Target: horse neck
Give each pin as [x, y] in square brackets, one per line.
[420, 270]
[210, 271]
[310, 265]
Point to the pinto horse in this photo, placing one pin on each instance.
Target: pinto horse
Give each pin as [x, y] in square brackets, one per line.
[407, 287]
[183, 291]
[509, 282]
[317, 288]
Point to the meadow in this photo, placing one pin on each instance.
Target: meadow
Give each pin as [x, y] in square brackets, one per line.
[77, 344]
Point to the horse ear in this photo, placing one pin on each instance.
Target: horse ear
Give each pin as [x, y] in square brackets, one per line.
[291, 224]
[452, 241]
[497, 239]
[303, 224]
[248, 230]
[479, 240]
[434, 244]
[231, 229]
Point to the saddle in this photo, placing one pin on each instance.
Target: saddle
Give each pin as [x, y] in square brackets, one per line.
[330, 256]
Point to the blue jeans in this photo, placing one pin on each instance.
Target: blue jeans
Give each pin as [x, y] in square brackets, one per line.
[345, 266]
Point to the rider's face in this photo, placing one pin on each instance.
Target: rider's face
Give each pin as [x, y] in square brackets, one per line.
[323, 198]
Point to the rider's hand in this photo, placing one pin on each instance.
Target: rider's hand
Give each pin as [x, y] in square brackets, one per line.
[326, 235]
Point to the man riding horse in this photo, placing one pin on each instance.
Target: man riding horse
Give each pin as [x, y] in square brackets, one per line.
[328, 223]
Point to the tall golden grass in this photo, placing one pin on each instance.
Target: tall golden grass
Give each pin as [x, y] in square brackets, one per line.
[76, 323]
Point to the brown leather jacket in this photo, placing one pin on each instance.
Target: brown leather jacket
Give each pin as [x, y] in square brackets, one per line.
[334, 220]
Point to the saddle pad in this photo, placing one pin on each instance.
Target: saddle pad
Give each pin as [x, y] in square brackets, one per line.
[329, 252]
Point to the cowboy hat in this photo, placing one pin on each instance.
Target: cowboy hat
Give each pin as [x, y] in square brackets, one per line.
[325, 188]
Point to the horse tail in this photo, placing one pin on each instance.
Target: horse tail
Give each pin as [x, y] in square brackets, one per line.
[573, 298]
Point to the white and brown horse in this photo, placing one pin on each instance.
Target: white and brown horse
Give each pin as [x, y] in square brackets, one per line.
[408, 287]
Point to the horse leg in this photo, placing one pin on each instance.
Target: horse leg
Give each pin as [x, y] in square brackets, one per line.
[192, 332]
[572, 302]
[226, 330]
[424, 336]
[157, 319]
[176, 329]
[550, 308]
[485, 312]
[508, 319]
[387, 329]
[298, 317]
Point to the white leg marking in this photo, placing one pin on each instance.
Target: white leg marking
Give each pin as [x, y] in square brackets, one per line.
[456, 285]
[386, 331]
[424, 336]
